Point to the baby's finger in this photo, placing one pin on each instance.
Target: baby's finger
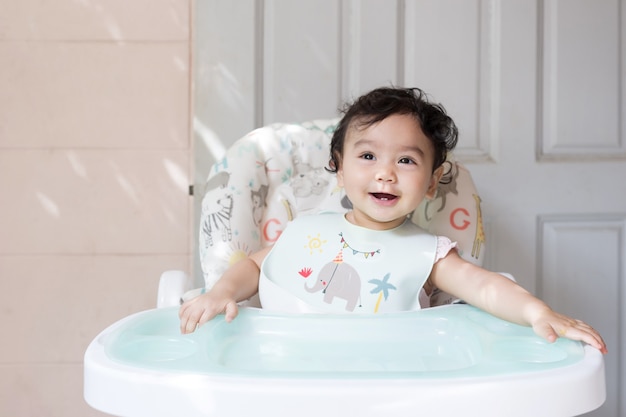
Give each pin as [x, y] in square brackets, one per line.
[183, 314]
[207, 315]
[188, 326]
[190, 321]
[546, 331]
[230, 311]
[584, 333]
[184, 323]
[182, 311]
[187, 307]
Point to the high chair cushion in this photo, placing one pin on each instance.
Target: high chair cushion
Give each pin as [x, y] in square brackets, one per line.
[276, 173]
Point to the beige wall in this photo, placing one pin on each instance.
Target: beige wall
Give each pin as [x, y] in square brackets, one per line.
[94, 168]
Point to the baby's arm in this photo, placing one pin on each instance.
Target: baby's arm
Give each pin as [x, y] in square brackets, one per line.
[503, 298]
[239, 282]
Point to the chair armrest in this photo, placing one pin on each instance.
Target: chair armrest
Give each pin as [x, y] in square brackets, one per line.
[172, 285]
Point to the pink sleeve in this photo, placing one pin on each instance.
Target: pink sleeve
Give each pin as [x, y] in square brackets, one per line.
[444, 245]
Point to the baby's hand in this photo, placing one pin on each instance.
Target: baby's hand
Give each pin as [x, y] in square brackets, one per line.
[199, 310]
[551, 325]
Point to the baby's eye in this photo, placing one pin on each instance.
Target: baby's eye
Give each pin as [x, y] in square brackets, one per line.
[368, 156]
[406, 160]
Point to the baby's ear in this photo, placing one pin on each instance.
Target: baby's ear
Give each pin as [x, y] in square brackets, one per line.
[339, 175]
[335, 164]
[434, 183]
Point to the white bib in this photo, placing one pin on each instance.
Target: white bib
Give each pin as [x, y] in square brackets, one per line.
[323, 263]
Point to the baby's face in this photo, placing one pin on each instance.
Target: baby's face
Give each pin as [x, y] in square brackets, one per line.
[386, 171]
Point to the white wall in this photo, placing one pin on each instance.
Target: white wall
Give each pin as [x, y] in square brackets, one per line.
[94, 167]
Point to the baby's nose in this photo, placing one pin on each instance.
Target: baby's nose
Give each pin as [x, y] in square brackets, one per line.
[385, 174]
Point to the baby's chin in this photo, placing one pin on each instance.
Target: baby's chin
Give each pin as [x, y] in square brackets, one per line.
[375, 222]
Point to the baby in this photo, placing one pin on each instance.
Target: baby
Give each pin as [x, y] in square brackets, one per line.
[387, 153]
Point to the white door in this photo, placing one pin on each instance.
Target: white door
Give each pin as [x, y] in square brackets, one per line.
[538, 90]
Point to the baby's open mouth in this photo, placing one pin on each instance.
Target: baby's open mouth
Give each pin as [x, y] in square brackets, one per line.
[384, 196]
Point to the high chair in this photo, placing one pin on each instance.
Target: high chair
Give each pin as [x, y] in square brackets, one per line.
[447, 360]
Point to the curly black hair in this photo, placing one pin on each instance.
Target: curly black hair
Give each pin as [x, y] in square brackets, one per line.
[383, 102]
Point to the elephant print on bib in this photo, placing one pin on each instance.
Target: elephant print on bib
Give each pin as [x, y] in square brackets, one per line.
[338, 279]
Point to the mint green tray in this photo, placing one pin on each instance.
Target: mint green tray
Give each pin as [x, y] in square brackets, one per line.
[457, 341]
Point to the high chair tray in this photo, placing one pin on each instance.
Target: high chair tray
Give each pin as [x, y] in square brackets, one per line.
[445, 361]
